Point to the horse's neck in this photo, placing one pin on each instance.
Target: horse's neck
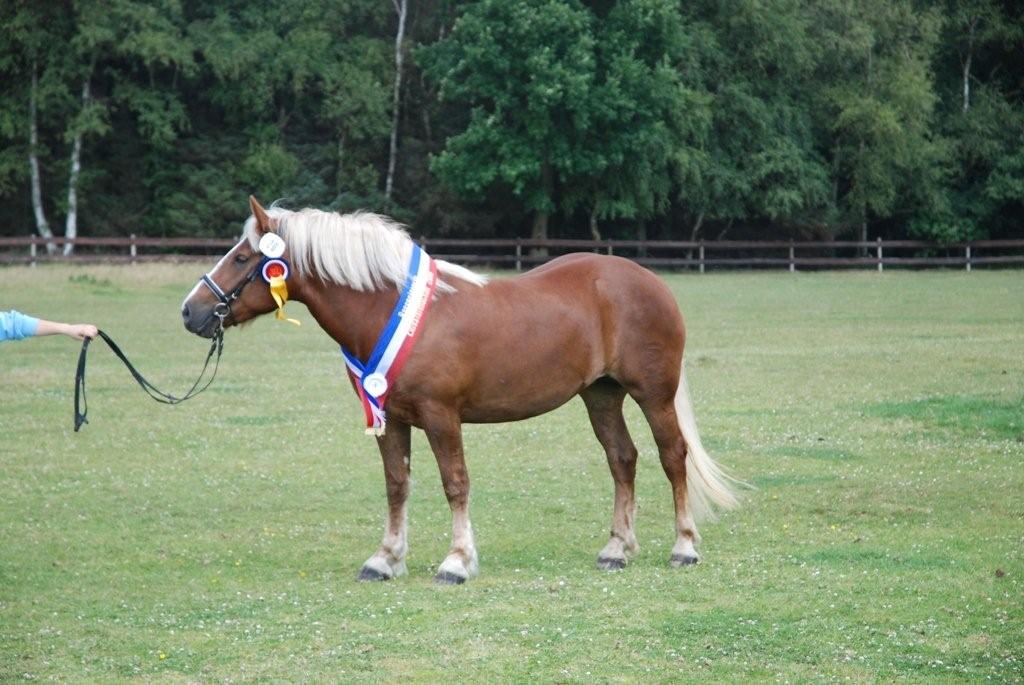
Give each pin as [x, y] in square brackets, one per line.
[353, 318]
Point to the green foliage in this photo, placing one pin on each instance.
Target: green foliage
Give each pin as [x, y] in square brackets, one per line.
[1006, 184]
[527, 82]
[267, 166]
[795, 117]
[761, 157]
[647, 124]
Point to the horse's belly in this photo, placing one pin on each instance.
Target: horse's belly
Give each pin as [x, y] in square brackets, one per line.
[512, 393]
[498, 411]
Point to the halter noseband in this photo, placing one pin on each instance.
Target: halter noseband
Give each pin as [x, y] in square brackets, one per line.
[223, 308]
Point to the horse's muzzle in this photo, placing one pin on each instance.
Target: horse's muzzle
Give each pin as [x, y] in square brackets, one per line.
[202, 323]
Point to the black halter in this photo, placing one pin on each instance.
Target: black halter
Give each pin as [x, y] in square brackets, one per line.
[223, 308]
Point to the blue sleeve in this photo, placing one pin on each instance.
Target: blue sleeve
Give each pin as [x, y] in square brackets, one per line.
[15, 325]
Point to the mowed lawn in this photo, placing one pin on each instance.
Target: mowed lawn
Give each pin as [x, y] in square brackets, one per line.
[880, 417]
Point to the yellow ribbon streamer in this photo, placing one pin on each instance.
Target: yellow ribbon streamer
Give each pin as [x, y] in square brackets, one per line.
[279, 291]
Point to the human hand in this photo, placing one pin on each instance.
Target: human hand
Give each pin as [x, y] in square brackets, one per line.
[81, 331]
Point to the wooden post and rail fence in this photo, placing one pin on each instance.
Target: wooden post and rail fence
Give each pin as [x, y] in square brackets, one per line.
[523, 253]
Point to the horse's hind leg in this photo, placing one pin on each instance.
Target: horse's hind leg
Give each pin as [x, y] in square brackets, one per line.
[389, 560]
[604, 406]
[661, 415]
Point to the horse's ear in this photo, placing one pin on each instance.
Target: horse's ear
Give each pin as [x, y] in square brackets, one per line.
[263, 224]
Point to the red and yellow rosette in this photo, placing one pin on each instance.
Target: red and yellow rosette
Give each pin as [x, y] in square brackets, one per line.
[275, 273]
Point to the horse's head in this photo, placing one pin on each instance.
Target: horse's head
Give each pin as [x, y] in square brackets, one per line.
[234, 290]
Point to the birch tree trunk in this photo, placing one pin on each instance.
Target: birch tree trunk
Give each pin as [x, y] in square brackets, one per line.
[728, 225]
[71, 224]
[401, 7]
[42, 225]
[695, 232]
[595, 231]
[696, 227]
[967, 64]
[863, 250]
[539, 231]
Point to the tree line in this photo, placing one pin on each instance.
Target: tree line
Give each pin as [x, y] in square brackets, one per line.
[559, 118]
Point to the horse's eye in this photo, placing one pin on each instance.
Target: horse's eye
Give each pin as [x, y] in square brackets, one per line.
[241, 259]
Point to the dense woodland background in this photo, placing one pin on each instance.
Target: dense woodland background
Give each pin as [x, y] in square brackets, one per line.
[639, 118]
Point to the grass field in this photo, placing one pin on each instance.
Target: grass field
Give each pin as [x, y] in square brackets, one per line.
[880, 416]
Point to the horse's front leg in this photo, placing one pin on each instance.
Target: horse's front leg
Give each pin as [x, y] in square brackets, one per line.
[444, 432]
[389, 561]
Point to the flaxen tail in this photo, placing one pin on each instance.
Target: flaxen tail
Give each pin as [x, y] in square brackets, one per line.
[707, 486]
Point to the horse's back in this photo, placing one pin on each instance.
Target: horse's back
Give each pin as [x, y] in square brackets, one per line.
[588, 267]
[633, 303]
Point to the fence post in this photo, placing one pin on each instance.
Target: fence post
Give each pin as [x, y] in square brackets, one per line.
[610, 247]
[519, 255]
[967, 256]
[792, 263]
[700, 255]
[132, 248]
[32, 250]
[879, 243]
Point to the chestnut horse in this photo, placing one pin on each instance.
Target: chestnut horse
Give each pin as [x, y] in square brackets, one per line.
[596, 326]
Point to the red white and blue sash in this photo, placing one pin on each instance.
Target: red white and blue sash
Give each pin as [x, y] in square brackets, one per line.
[374, 379]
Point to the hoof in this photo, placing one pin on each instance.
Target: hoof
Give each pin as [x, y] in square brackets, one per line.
[446, 578]
[369, 574]
[610, 564]
[678, 560]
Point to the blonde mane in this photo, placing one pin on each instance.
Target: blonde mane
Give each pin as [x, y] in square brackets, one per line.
[363, 251]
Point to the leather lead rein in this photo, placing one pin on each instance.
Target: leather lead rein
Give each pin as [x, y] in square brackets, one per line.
[82, 404]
